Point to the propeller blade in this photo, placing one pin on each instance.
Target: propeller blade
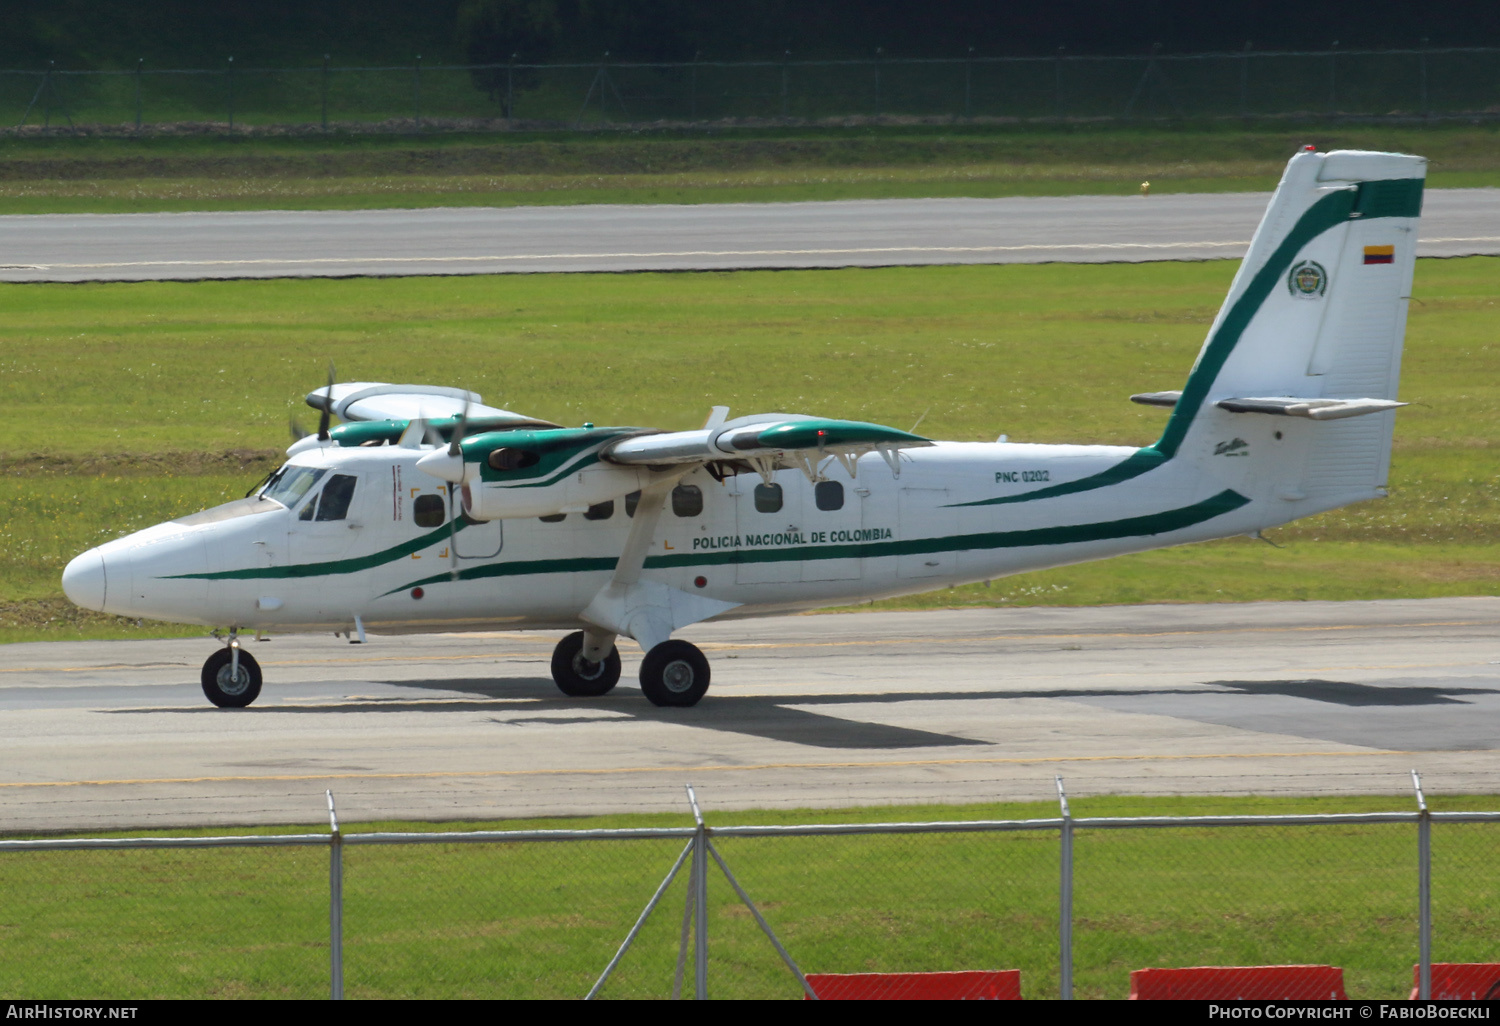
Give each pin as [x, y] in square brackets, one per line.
[458, 431]
[453, 530]
[297, 432]
[325, 418]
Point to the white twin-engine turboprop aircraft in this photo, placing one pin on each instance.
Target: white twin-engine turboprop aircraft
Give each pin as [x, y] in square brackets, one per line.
[426, 511]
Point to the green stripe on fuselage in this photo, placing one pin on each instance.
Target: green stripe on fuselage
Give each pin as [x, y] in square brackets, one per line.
[334, 566]
[1130, 527]
[1134, 465]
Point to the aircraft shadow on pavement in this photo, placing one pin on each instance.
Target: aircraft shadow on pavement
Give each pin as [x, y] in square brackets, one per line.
[788, 719]
[1344, 693]
[756, 716]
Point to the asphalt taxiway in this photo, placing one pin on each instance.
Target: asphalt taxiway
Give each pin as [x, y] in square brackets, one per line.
[805, 711]
[710, 236]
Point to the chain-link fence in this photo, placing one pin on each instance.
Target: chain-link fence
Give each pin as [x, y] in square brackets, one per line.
[1363, 904]
[1401, 83]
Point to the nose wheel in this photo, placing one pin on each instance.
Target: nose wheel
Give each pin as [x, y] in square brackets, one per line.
[674, 673]
[230, 682]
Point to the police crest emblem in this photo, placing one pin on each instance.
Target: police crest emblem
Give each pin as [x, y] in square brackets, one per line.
[1307, 280]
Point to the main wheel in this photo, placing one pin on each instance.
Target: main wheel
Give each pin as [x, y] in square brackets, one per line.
[227, 689]
[579, 677]
[674, 673]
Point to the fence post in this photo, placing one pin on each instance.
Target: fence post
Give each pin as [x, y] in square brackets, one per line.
[47, 96]
[1057, 105]
[1245, 80]
[969, 84]
[693, 86]
[416, 92]
[1065, 902]
[878, 51]
[335, 903]
[229, 76]
[510, 88]
[699, 880]
[139, 63]
[786, 59]
[325, 93]
[1424, 892]
[1333, 77]
[1426, 110]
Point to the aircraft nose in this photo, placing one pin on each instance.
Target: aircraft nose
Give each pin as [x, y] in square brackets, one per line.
[84, 581]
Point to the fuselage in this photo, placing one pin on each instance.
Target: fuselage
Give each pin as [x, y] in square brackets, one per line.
[379, 549]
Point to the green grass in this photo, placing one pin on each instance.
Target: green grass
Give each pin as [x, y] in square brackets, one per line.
[125, 404]
[103, 175]
[541, 920]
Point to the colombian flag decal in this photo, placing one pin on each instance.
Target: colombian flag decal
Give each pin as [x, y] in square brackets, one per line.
[1380, 254]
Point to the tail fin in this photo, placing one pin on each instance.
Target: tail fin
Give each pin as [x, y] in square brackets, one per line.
[1316, 312]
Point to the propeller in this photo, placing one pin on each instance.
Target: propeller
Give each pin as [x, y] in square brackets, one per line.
[326, 416]
[455, 449]
[298, 433]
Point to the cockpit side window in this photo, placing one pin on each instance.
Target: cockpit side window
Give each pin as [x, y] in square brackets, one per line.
[333, 504]
[290, 484]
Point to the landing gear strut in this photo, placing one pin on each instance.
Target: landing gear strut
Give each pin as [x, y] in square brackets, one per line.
[231, 676]
[674, 673]
[579, 676]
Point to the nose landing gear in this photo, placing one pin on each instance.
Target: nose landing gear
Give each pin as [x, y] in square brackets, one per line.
[231, 676]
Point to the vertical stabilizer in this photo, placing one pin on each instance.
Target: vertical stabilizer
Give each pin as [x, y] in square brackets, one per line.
[1317, 311]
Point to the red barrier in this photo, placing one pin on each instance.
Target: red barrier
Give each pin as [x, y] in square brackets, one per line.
[965, 986]
[1460, 981]
[1239, 983]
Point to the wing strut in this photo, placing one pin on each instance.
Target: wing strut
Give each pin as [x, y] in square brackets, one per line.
[644, 610]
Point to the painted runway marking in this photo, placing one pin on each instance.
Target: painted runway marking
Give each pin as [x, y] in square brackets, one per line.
[664, 254]
[621, 770]
[725, 646]
[683, 254]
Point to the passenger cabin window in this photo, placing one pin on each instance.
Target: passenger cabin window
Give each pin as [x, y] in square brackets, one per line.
[829, 495]
[513, 459]
[631, 502]
[768, 498]
[553, 518]
[687, 500]
[333, 503]
[600, 511]
[429, 511]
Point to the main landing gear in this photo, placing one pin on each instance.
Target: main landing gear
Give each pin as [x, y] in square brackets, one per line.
[579, 676]
[231, 676]
[674, 673]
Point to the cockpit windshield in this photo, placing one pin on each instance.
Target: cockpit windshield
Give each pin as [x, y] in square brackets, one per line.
[290, 484]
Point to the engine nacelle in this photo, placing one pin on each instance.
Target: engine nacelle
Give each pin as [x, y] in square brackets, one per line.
[523, 473]
[487, 500]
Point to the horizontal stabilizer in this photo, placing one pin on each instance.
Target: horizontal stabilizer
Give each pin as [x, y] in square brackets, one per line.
[1282, 406]
[1312, 409]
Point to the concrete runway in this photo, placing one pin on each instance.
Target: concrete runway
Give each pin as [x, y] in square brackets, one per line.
[828, 710]
[860, 233]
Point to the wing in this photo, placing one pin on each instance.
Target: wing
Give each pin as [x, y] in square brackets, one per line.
[768, 442]
[373, 400]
